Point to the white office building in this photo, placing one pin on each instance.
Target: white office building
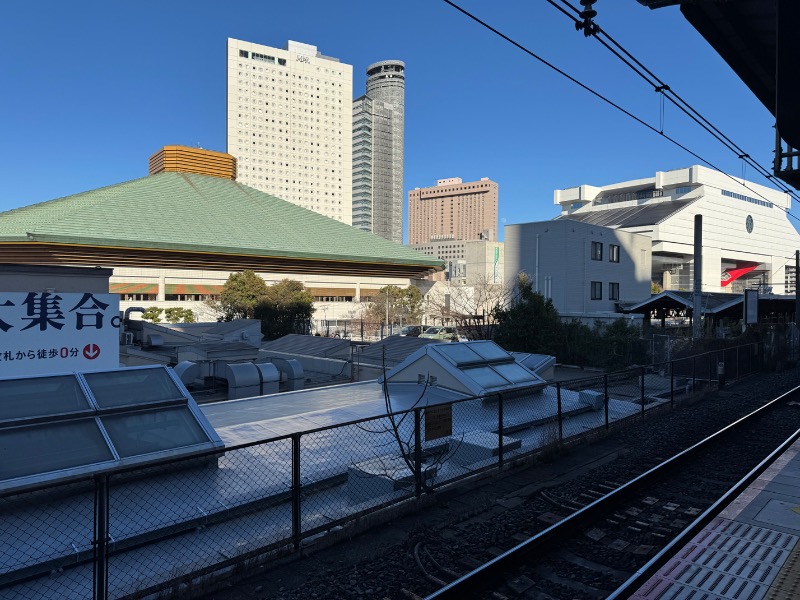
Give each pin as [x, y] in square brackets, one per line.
[585, 269]
[290, 124]
[748, 240]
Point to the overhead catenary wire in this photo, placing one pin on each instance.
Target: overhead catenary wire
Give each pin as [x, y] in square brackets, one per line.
[612, 103]
[666, 91]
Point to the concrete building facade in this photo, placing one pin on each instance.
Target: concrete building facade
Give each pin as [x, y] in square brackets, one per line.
[468, 262]
[378, 146]
[290, 124]
[337, 298]
[453, 210]
[748, 240]
[584, 269]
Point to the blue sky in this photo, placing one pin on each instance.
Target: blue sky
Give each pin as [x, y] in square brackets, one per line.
[92, 89]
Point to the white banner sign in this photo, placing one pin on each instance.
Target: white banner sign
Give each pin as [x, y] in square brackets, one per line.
[46, 332]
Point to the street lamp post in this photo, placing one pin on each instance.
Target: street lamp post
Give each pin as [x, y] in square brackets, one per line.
[324, 308]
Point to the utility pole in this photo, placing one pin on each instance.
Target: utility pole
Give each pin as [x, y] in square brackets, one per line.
[387, 307]
[796, 294]
[697, 303]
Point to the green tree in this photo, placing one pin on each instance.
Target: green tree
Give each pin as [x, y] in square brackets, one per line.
[177, 314]
[405, 305]
[623, 344]
[153, 314]
[530, 324]
[283, 308]
[240, 296]
[286, 307]
[577, 344]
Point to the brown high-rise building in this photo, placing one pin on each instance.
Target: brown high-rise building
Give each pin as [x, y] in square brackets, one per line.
[453, 210]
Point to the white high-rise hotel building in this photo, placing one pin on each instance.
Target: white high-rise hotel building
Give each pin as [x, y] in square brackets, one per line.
[290, 124]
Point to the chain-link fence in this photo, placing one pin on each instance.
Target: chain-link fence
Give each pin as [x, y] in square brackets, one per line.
[181, 523]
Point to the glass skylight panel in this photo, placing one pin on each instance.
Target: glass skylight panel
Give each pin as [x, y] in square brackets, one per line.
[62, 426]
[40, 449]
[459, 353]
[132, 386]
[148, 431]
[486, 377]
[490, 351]
[41, 396]
[515, 373]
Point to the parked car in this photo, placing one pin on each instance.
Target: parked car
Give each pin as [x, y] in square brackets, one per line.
[441, 333]
[411, 330]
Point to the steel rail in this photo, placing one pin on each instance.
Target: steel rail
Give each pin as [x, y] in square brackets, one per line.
[486, 576]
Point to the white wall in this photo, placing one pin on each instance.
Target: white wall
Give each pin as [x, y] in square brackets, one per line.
[331, 311]
[564, 269]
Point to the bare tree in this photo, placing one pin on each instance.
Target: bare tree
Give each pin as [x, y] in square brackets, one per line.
[409, 441]
[471, 307]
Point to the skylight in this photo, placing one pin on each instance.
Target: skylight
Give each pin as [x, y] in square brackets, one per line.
[473, 367]
[58, 426]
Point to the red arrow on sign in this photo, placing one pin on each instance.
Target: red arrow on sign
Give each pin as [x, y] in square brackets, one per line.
[91, 351]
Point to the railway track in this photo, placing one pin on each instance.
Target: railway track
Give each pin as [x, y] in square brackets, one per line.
[415, 555]
[590, 537]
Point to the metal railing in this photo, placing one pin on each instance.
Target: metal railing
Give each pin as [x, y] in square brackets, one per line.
[161, 528]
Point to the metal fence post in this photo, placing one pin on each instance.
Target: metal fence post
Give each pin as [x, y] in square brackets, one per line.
[711, 368]
[737, 362]
[694, 374]
[418, 452]
[296, 516]
[672, 383]
[101, 537]
[605, 396]
[560, 414]
[500, 449]
[642, 389]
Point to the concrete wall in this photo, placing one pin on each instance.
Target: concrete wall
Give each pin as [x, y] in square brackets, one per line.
[556, 257]
[334, 312]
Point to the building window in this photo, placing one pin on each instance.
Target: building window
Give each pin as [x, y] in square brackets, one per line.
[790, 280]
[597, 290]
[597, 251]
[746, 198]
[243, 53]
[613, 291]
[613, 253]
[190, 297]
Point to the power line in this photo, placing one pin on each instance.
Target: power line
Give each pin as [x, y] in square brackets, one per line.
[659, 86]
[610, 102]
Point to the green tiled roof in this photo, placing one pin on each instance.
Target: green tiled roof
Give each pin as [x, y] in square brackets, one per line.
[198, 213]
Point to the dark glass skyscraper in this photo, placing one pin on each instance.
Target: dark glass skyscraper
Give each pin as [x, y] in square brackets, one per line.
[378, 133]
